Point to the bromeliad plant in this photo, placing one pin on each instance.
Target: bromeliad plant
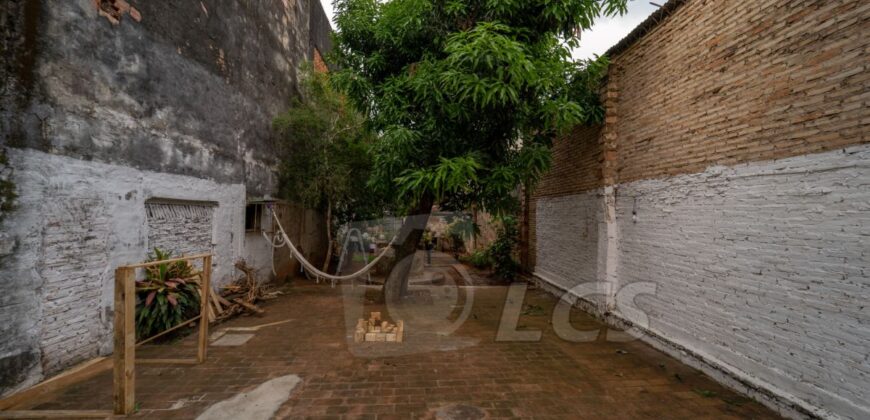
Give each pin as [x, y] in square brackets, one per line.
[166, 297]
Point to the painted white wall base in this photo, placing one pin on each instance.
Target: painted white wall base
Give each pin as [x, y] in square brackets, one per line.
[762, 271]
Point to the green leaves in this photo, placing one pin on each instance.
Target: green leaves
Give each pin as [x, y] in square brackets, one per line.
[164, 297]
[324, 147]
[450, 176]
[465, 94]
[501, 251]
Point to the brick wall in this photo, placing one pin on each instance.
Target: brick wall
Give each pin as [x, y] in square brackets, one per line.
[725, 82]
[731, 173]
[762, 268]
[576, 166]
[75, 222]
[567, 238]
[577, 158]
[319, 64]
[182, 228]
[74, 247]
[168, 102]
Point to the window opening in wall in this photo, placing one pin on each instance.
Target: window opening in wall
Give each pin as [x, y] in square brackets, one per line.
[253, 214]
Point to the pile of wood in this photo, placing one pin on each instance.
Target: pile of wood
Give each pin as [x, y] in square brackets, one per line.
[375, 329]
[239, 297]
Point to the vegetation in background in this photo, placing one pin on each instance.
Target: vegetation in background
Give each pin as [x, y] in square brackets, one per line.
[479, 259]
[460, 230]
[466, 96]
[168, 296]
[501, 251]
[325, 156]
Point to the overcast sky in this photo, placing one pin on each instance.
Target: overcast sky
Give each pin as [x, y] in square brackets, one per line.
[605, 34]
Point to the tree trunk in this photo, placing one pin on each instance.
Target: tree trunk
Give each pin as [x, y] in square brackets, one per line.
[396, 284]
[328, 236]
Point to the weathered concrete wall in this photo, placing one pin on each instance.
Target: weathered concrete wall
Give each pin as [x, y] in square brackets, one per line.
[175, 101]
[190, 89]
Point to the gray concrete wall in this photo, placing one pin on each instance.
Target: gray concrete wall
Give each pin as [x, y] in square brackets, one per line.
[175, 101]
[191, 89]
[762, 271]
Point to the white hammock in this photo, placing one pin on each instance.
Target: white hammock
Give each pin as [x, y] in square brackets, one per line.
[310, 267]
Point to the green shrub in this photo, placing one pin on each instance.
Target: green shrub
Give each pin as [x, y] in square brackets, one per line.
[479, 259]
[168, 296]
[501, 251]
[459, 230]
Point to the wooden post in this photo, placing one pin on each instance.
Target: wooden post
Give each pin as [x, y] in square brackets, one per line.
[203, 307]
[125, 340]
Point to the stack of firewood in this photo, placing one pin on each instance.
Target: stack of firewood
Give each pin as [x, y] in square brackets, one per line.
[240, 296]
[375, 329]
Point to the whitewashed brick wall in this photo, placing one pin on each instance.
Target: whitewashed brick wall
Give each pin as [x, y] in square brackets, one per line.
[74, 254]
[569, 234]
[76, 222]
[762, 269]
[180, 228]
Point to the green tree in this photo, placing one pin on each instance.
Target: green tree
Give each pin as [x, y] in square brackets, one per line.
[324, 149]
[466, 96]
[501, 251]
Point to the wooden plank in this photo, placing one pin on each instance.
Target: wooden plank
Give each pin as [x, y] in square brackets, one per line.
[78, 373]
[171, 260]
[124, 341]
[56, 414]
[251, 307]
[168, 361]
[204, 306]
[167, 331]
[400, 331]
[223, 300]
[217, 304]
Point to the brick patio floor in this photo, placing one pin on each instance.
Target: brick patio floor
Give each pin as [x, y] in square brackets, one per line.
[464, 373]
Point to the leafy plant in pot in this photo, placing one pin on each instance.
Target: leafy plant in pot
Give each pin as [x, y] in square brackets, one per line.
[167, 296]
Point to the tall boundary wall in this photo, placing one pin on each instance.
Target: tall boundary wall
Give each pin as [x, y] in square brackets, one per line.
[732, 173]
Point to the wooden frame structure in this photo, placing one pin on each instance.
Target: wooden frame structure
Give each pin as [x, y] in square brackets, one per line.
[123, 359]
[125, 329]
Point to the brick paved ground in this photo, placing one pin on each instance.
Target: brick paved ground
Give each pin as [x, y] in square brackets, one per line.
[463, 373]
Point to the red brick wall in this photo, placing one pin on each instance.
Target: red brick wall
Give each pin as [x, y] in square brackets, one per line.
[722, 83]
[577, 158]
[729, 81]
[576, 163]
[319, 64]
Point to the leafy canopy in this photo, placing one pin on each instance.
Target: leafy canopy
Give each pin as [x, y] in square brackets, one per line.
[467, 94]
[325, 151]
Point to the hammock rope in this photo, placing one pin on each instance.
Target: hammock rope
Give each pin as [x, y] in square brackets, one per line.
[309, 266]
